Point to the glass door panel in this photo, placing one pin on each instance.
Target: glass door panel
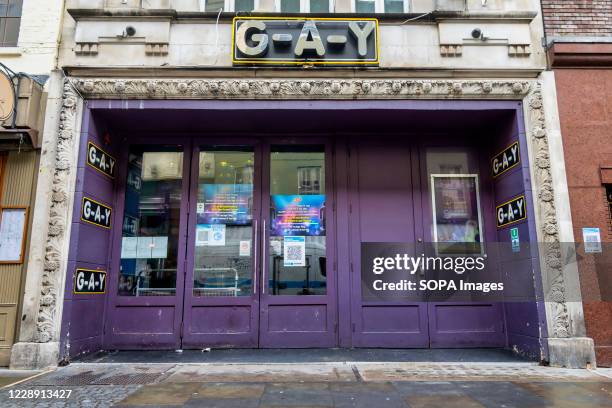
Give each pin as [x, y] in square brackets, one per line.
[224, 218]
[146, 291]
[297, 301]
[149, 242]
[297, 244]
[221, 302]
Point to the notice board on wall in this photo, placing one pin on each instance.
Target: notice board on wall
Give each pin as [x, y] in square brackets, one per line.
[13, 223]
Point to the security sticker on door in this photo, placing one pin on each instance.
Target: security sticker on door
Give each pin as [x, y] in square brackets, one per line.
[210, 235]
[295, 251]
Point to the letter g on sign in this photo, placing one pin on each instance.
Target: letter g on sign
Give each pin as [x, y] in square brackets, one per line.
[260, 39]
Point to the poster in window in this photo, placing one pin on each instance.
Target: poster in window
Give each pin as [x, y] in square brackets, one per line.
[301, 215]
[12, 234]
[456, 210]
[229, 204]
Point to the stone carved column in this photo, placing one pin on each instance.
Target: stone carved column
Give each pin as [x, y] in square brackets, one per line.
[46, 276]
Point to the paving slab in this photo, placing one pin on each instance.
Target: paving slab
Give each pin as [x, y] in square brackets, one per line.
[261, 373]
[299, 356]
[470, 372]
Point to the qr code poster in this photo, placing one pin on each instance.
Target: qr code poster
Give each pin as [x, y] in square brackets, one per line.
[294, 251]
[210, 235]
[592, 240]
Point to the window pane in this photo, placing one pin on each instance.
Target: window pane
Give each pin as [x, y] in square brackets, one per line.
[319, 6]
[3, 7]
[14, 8]
[297, 248]
[290, 6]
[224, 216]
[455, 202]
[11, 32]
[245, 5]
[365, 6]
[214, 5]
[149, 245]
[394, 6]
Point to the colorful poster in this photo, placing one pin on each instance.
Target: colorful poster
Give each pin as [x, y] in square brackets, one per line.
[225, 204]
[295, 251]
[302, 215]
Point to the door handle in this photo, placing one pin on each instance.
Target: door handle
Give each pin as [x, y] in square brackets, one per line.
[263, 257]
[255, 239]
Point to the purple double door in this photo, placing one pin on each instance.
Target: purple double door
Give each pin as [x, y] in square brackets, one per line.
[224, 244]
[232, 242]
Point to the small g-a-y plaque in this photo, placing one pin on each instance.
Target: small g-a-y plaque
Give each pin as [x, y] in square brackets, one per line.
[89, 282]
[100, 160]
[96, 213]
[511, 211]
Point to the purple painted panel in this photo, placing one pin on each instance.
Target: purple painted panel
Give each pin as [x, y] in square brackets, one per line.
[508, 186]
[297, 318]
[85, 317]
[518, 284]
[391, 319]
[466, 325]
[85, 346]
[95, 183]
[91, 243]
[142, 320]
[220, 320]
[524, 318]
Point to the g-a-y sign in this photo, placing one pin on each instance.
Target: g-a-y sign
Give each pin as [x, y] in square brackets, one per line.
[100, 160]
[96, 213]
[305, 41]
[89, 281]
[511, 211]
[506, 159]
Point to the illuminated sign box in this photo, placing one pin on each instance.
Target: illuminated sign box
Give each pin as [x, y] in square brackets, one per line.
[305, 41]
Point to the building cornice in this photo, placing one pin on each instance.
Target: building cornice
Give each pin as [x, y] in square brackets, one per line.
[391, 18]
[195, 72]
[576, 54]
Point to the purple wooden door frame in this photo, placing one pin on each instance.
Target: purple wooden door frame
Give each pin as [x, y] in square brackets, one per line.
[222, 321]
[147, 322]
[462, 324]
[395, 324]
[299, 321]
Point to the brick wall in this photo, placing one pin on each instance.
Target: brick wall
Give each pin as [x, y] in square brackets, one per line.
[578, 18]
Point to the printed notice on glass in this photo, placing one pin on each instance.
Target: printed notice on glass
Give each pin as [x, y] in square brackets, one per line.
[245, 248]
[294, 251]
[159, 247]
[592, 240]
[129, 247]
[143, 247]
[210, 235]
[12, 230]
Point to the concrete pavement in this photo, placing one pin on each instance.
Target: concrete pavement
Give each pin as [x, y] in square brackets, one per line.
[320, 384]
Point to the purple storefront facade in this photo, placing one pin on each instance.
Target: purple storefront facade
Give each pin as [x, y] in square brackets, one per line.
[378, 159]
